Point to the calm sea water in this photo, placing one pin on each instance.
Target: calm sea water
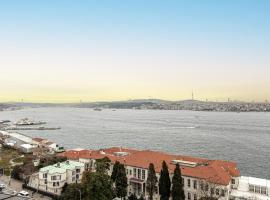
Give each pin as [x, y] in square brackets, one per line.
[240, 137]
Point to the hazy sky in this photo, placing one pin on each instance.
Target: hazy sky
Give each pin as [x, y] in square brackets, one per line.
[64, 51]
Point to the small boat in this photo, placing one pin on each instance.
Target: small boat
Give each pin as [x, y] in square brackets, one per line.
[4, 121]
[97, 109]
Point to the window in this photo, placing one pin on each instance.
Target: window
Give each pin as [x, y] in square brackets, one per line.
[55, 184]
[212, 191]
[263, 190]
[130, 172]
[127, 171]
[195, 197]
[78, 170]
[195, 184]
[73, 179]
[183, 181]
[45, 181]
[206, 187]
[143, 174]
[217, 192]
[202, 186]
[233, 181]
[77, 176]
[189, 196]
[222, 192]
[257, 189]
[53, 178]
[73, 173]
[188, 182]
[251, 188]
[45, 175]
[139, 174]
[134, 172]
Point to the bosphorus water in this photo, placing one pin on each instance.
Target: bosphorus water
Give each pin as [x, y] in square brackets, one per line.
[240, 137]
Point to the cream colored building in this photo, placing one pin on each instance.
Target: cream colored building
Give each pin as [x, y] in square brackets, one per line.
[52, 178]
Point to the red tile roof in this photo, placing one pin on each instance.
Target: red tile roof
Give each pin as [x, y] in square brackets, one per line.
[216, 171]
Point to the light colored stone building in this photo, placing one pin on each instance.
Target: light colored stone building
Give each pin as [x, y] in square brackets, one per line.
[250, 188]
[202, 177]
[51, 179]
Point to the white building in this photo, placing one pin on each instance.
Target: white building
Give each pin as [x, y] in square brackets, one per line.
[51, 179]
[250, 188]
[27, 148]
[17, 139]
[202, 177]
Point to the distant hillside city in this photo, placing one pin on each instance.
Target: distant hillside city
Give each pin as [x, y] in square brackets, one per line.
[155, 104]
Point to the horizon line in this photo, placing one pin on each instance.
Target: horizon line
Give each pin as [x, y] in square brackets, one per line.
[139, 99]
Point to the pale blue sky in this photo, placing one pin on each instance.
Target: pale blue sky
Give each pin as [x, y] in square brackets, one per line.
[64, 51]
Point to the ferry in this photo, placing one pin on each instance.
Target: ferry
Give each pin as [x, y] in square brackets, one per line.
[28, 122]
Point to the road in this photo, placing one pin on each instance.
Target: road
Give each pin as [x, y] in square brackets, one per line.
[16, 186]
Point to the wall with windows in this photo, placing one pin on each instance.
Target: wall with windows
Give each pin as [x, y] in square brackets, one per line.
[51, 182]
[196, 188]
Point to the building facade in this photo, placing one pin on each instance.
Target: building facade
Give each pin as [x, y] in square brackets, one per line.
[51, 179]
[250, 188]
[201, 177]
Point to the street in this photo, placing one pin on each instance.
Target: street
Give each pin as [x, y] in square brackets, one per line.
[16, 186]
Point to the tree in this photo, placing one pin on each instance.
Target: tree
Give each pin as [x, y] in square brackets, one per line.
[115, 171]
[64, 188]
[151, 182]
[164, 182]
[98, 186]
[103, 165]
[141, 198]
[72, 192]
[119, 178]
[50, 160]
[17, 172]
[177, 185]
[132, 197]
[209, 190]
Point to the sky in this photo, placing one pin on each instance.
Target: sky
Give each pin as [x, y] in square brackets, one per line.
[104, 50]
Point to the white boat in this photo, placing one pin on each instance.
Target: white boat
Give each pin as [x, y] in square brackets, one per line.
[28, 122]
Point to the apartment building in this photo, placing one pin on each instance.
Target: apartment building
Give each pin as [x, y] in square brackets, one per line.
[51, 179]
[202, 177]
[250, 188]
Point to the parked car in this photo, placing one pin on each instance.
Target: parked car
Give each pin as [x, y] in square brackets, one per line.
[23, 194]
[2, 186]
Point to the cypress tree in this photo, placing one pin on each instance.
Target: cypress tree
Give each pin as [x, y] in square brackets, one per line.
[164, 182]
[115, 170]
[121, 182]
[119, 178]
[151, 182]
[177, 185]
